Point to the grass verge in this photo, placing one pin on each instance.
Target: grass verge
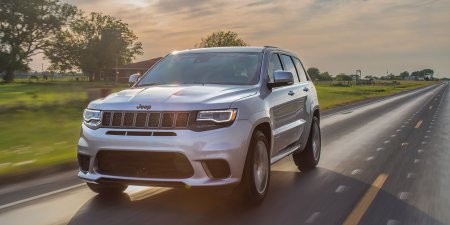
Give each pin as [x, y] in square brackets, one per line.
[332, 96]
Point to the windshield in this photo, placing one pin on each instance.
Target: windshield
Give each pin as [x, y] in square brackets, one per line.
[235, 68]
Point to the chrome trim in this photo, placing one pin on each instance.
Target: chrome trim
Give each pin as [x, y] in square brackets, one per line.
[284, 153]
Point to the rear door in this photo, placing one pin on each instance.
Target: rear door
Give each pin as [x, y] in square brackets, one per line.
[309, 90]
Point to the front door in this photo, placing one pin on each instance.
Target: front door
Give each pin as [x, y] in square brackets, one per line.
[287, 105]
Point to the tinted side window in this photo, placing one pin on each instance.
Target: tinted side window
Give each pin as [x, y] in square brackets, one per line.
[301, 70]
[274, 65]
[289, 66]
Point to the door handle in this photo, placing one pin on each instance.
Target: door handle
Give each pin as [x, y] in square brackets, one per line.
[291, 93]
[306, 89]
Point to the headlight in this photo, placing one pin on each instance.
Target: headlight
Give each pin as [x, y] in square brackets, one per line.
[217, 116]
[92, 118]
[214, 119]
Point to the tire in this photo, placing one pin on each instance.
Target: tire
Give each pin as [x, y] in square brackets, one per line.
[310, 156]
[256, 175]
[107, 188]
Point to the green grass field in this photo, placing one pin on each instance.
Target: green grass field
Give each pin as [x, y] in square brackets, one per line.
[46, 134]
[331, 96]
[35, 94]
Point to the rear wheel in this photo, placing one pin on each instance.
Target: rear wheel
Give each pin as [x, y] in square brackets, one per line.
[107, 188]
[310, 156]
[256, 176]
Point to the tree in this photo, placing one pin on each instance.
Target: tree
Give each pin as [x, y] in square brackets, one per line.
[343, 77]
[93, 44]
[427, 73]
[416, 74]
[325, 76]
[221, 39]
[26, 28]
[404, 74]
[314, 73]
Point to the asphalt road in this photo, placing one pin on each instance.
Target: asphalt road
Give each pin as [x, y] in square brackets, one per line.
[385, 162]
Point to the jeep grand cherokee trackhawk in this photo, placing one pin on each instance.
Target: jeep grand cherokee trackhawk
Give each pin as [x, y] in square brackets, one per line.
[203, 117]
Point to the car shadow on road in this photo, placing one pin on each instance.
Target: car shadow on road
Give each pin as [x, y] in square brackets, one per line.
[294, 198]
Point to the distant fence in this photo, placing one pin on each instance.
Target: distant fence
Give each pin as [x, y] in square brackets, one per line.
[50, 77]
[356, 82]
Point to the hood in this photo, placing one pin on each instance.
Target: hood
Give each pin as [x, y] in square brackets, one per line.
[175, 97]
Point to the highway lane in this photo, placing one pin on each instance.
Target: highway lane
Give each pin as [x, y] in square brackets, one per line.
[382, 163]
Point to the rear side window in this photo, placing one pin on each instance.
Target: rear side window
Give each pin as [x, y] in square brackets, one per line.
[301, 70]
[274, 65]
[289, 66]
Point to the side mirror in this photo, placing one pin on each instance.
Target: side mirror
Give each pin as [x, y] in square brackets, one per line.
[281, 78]
[133, 79]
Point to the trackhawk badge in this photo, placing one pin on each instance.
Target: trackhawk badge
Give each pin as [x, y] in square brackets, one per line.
[146, 107]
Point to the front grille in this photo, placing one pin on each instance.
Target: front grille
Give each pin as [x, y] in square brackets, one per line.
[145, 120]
[144, 164]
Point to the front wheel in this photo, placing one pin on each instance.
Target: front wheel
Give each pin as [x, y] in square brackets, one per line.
[256, 176]
[107, 188]
[309, 157]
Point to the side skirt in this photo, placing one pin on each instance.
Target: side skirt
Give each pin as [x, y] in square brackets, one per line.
[285, 152]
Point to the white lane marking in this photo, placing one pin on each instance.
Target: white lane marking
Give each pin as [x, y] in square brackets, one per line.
[428, 131]
[398, 130]
[4, 164]
[380, 149]
[40, 196]
[387, 142]
[313, 217]
[24, 162]
[393, 222]
[430, 126]
[424, 142]
[341, 189]
[357, 171]
[403, 126]
[393, 135]
[404, 195]
[370, 158]
[410, 175]
[420, 151]
[416, 160]
[425, 136]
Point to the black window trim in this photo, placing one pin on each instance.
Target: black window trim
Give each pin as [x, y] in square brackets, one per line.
[293, 63]
[303, 67]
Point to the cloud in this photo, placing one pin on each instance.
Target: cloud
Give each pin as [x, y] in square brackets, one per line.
[334, 35]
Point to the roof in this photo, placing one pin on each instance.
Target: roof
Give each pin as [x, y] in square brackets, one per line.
[223, 49]
[233, 49]
[142, 65]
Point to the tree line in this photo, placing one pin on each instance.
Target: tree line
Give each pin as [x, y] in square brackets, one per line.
[316, 75]
[69, 38]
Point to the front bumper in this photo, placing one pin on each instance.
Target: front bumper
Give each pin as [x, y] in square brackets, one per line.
[229, 144]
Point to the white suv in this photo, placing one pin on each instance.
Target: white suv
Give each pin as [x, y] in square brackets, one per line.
[204, 117]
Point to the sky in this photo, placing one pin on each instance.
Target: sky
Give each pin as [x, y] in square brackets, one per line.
[338, 36]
